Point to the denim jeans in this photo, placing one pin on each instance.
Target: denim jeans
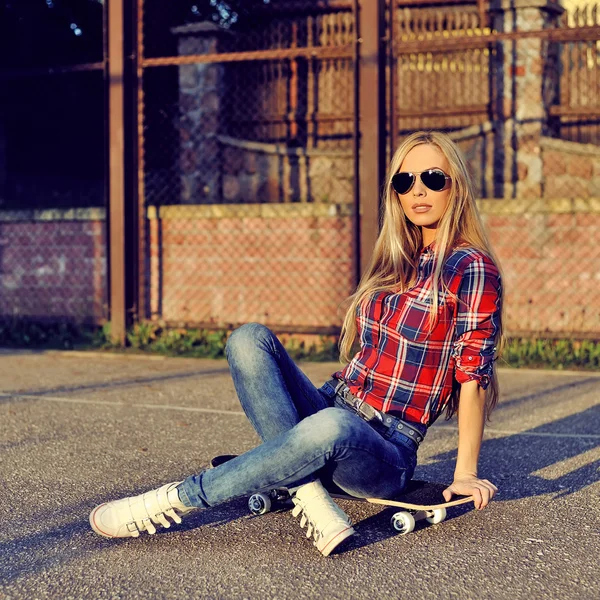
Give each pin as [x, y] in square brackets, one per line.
[305, 433]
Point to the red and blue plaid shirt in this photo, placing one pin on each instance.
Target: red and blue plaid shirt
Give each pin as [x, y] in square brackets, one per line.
[407, 370]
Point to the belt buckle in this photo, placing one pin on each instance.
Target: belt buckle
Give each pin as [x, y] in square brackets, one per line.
[369, 413]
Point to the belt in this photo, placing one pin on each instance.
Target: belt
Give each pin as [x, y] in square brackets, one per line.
[372, 415]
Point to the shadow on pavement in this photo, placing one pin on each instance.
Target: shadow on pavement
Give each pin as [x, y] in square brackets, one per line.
[62, 544]
[513, 462]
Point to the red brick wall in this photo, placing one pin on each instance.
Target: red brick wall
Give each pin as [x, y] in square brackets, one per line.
[551, 264]
[291, 265]
[53, 268]
[280, 270]
[570, 169]
[296, 271]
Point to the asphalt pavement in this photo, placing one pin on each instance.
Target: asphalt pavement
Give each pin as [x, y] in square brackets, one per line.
[78, 429]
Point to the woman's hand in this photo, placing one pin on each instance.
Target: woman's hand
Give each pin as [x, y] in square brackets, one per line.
[482, 490]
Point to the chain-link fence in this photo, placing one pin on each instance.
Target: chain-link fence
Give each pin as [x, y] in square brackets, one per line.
[518, 90]
[52, 166]
[249, 121]
[245, 135]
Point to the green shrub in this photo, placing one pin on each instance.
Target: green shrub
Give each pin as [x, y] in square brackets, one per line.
[150, 336]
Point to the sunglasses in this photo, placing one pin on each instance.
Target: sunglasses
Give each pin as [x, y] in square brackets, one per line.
[433, 179]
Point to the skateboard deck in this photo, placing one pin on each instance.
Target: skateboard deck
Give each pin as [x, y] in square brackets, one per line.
[420, 500]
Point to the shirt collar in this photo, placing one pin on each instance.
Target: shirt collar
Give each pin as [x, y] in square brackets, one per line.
[429, 249]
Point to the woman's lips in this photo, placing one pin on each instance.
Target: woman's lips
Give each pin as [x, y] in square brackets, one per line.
[421, 208]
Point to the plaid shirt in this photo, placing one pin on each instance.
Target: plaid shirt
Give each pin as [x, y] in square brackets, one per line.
[405, 370]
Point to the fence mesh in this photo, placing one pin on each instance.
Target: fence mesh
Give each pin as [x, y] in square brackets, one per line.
[52, 167]
[254, 134]
[246, 142]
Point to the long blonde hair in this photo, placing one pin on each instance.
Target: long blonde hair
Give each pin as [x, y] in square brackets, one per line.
[394, 263]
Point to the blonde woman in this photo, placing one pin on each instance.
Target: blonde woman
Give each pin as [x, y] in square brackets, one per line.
[426, 318]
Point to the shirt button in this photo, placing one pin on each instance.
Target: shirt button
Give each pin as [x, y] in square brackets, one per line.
[470, 358]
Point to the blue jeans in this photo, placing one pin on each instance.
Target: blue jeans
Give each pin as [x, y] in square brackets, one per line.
[306, 433]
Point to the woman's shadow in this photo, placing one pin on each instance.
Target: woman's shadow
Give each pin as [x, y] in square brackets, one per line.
[513, 463]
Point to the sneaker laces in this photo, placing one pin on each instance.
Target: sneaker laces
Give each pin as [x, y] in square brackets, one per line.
[317, 503]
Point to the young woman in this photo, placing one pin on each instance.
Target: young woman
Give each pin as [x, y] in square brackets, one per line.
[427, 318]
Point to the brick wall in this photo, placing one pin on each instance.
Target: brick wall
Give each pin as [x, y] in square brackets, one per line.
[293, 269]
[550, 253]
[53, 264]
[289, 264]
[278, 264]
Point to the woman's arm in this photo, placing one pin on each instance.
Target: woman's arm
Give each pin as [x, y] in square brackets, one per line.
[471, 416]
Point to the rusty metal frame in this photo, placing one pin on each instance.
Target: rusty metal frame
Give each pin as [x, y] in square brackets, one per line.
[356, 262]
[372, 155]
[589, 33]
[116, 172]
[141, 300]
[342, 51]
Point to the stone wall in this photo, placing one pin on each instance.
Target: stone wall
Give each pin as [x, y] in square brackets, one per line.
[570, 167]
[53, 265]
[201, 91]
[256, 172]
[477, 145]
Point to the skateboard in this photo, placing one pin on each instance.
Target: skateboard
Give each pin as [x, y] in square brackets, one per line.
[421, 500]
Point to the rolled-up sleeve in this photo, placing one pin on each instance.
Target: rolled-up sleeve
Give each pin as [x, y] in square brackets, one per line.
[477, 322]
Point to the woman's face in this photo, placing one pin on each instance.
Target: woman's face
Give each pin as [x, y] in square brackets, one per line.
[423, 206]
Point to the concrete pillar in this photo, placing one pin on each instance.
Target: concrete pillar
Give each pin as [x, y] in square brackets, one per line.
[526, 80]
[201, 94]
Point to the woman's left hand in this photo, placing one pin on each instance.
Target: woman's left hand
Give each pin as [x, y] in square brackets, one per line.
[482, 490]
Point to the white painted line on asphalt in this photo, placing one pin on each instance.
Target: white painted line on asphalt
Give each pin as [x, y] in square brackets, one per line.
[241, 413]
[124, 404]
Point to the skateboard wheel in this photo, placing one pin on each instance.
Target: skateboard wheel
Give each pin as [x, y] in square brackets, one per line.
[403, 522]
[438, 515]
[259, 504]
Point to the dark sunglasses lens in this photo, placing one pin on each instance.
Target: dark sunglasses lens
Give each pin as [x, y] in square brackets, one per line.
[402, 182]
[434, 180]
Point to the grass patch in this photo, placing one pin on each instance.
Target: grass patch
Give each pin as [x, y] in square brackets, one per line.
[202, 343]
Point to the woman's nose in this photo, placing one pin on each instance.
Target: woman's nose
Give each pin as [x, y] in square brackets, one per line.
[418, 188]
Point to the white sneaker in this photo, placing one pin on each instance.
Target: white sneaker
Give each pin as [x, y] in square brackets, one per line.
[327, 522]
[129, 516]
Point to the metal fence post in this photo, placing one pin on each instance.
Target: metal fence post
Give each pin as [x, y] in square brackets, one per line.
[116, 172]
[371, 81]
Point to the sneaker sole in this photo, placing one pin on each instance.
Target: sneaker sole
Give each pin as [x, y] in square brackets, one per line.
[336, 541]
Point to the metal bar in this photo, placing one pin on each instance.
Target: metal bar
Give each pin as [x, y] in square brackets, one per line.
[116, 175]
[141, 299]
[581, 34]
[403, 3]
[574, 111]
[278, 119]
[439, 112]
[6, 74]
[343, 51]
[303, 7]
[356, 149]
[393, 80]
[372, 123]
